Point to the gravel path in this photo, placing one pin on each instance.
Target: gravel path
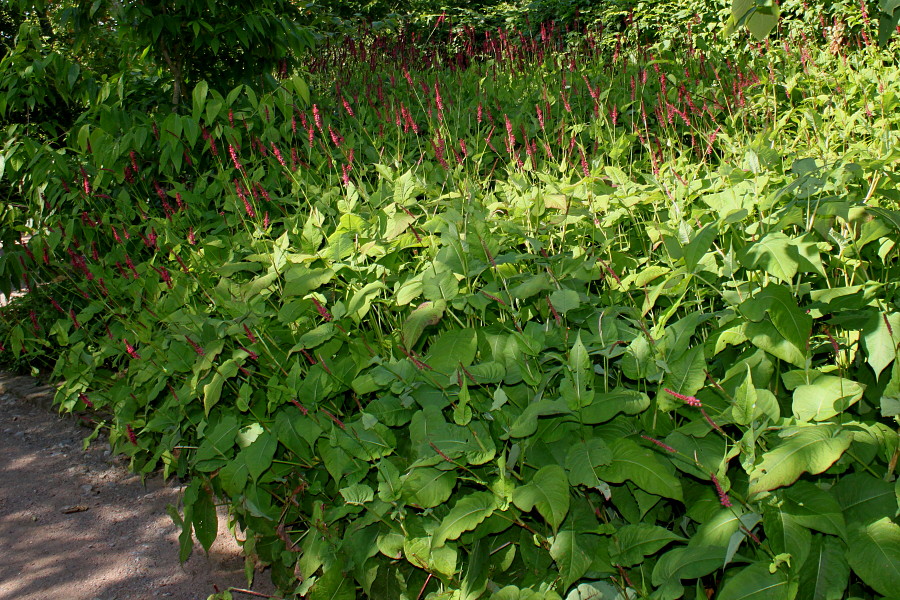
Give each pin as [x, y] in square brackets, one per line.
[77, 525]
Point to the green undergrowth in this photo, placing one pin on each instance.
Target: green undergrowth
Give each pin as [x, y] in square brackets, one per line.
[511, 328]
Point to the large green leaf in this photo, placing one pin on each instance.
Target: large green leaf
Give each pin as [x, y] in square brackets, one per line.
[571, 551]
[465, 515]
[686, 375]
[881, 337]
[333, 585]
[757, 583]
[548, 491]
[864, 498]
[428, 487]
[632, 543]
[825, 573]
[771, 254]
[260, 453]
[786, 535]
[427, 313]
[810, 449]
[875, 555]
[205, 520]
[642, 466]
[825, 397]
[452, 348]
[583, 460]
[781, 306]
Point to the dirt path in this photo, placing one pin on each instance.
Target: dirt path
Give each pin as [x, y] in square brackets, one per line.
[76, 525]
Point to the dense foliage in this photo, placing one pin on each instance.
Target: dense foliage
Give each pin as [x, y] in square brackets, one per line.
[594, 312]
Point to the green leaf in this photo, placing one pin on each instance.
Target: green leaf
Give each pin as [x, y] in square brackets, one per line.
[427, 313]
[744, 401]
[205, 520]
[452, 348]
[465, 515]
[790, 321]
[864, 498]
[786, 535]
[686, 373]
[825, 397]
[571, 553]
[357, 494]
[825, 573]
[220, 441]
[201, 89]
[699, 246]
[333, 585]
[260, 453]
[641, 466]
[548, 491]
[439, 284]
[757, 583]
[632, 543]
[814, 508]
[300, 280]
[527, 423]
[405, 187]
[874, 554]
[531, 286]
[583, 459]
[686, 563]
[810, 449]
[881, 340]
[771, 254]
[565, 300]
[428, 487]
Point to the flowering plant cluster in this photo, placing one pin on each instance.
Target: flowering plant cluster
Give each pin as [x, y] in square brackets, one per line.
[503, 317]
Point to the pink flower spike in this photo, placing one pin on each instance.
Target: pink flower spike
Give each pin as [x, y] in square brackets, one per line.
[131, 351]
[723, 497]
[665, 447]
[689, 400]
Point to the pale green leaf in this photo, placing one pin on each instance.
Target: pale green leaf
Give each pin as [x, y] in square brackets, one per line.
[809, 449]
[427, 313]
[825, 397]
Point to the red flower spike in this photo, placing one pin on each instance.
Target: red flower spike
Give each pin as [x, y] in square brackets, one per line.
[130, 350]
[665, 447]
[195, 346]
[87, 401]
[723, 497]
[689, 400]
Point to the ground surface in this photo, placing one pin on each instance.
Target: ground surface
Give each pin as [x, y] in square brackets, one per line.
[76, 525]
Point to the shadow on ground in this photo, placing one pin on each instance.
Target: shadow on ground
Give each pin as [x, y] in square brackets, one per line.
[76, 525]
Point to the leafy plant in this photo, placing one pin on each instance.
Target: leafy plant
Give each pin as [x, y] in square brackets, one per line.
[509, 317]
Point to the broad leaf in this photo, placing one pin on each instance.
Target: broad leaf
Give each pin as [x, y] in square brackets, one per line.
[548, 492]
[642, 466]
[825, 397]
[633, 542]
[875, 555]
[757, 583]
[804, 450]
[583, 460]
[825, 573]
